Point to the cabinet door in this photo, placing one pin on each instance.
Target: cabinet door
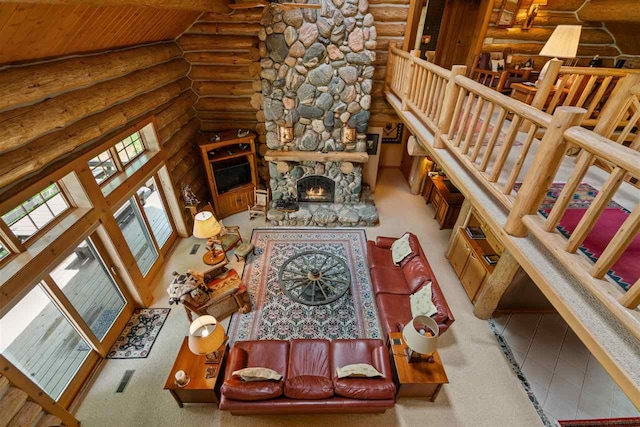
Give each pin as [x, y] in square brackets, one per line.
[459, 254]
[441, 213]
[473, 275]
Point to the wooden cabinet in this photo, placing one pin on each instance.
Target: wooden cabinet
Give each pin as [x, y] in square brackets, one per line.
[230, 164]
[445, 198]
[466, 259]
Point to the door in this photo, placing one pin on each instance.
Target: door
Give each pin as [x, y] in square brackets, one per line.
[462, 31]
[459, 253]
[473, 275]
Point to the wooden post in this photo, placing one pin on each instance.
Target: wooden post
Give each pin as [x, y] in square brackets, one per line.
[545, 86]
[496, 285]
[389, 71]
[543, 169]
[449, 104]
[408, 83]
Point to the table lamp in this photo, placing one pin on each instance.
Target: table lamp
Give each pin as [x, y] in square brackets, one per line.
[207, 337]
[421, 337]
[206, 226]
[563, 43]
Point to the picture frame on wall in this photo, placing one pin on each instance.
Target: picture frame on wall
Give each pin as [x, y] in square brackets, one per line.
[507, 15]
[392, 133]
[372, 143]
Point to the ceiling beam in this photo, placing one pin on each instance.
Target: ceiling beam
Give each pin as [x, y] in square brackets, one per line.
[610, 11]
[194, 5]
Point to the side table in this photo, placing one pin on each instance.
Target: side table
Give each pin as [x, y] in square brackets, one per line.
[199, 389]
[418, 379]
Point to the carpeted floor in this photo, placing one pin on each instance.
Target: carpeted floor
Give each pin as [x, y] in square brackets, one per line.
[483, 391]
[276, 316]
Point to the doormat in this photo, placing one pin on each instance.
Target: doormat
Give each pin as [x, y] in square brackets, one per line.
[139, 334]
[279, 317]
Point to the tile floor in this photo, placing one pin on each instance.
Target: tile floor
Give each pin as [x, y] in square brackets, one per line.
[567, 380]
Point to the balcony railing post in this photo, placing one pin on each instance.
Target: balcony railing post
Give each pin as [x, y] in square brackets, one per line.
[448, 104]
[389, 72]
[545, 86]
[546, 162]
[408, 83]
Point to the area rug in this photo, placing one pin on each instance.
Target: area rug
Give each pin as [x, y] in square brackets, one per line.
[626, 271]
[275, 316]
[603, 422]
[518, 372]
[139, 334]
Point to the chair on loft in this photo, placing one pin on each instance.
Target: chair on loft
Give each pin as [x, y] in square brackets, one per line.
[489, 68]
[260, 203]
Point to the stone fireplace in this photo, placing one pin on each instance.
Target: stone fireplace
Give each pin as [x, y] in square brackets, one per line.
[315, 188]
[317, 69]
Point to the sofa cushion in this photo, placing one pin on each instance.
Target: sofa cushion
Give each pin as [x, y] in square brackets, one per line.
[379, 257]
[257, 374]
[308, 387]
[400, 249]
[309, 357]
[252, 391]
[422, 303]
[365, 388]
[393, 310]
[389, 280]
[358, 370]
[416, 273]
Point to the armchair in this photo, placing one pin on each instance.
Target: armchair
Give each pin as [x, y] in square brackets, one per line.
[500, 80]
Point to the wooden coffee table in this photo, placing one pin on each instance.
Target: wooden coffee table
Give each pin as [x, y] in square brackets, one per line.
[419, 379]
[199, 389]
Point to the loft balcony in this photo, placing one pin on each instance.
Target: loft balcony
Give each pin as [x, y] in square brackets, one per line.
[505, 155]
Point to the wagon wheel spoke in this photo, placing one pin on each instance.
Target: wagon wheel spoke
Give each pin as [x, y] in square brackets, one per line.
[304, 289]
[299, 284]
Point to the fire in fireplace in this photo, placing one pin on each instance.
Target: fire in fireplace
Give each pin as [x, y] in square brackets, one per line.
[315, 188]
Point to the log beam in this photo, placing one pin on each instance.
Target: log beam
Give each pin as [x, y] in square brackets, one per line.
[51, 147]
[610, 11]
[195, 5]
[25, 84]
[21, 125]
[300, 156]
[496, 285]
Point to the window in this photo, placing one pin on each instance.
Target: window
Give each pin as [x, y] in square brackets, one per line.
[130, 148]
[102, 166]
[35, 213]
[4, 252]
[137, 236]
[40, 341]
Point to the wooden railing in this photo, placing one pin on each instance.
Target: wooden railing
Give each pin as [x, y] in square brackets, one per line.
[501, 141]
[584, 87]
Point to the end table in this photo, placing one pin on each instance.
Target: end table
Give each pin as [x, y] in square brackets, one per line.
[199, 389]
[418, 379]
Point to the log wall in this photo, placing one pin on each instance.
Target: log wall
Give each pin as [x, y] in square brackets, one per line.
[52, 112]
[596, 39]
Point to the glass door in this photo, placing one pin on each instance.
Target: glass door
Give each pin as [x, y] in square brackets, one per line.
[146, 227]
[59, 330]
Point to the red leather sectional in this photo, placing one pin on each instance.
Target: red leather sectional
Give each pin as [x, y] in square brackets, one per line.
[393, 284]
[309, 383]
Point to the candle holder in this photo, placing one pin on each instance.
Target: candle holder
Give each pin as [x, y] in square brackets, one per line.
[286, 134]
[348, 134]
[182, 379]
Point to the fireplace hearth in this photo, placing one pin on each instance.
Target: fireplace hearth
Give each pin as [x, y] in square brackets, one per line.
[316, 188]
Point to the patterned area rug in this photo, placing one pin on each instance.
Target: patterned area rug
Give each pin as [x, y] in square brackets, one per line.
[626, 271]
[139, 334]
[275, 316]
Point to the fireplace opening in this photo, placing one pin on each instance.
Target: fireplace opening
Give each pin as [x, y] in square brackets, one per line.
[316, 188]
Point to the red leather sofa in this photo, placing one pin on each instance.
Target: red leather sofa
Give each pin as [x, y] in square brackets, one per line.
[309, 383]
[393, 284]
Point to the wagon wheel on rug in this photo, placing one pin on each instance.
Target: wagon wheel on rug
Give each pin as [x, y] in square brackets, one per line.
[314, 277]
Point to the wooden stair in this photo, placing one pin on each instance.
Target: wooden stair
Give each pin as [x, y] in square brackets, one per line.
[17, 410]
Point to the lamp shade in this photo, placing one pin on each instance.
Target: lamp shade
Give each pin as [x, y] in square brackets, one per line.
[205, 225]
[206, 335]
[418, 342]
[563, 42]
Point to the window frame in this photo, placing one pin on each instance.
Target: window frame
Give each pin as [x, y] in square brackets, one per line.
[116, 163]
[115, 157]
[132, 159]
[22, 246]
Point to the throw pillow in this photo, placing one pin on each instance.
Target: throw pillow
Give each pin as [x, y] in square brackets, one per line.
[257, 374]
[421, 304]
[400, 249]
[358, 370]
[497, 65]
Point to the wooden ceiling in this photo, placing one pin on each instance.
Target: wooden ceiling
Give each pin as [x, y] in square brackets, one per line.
[36, 31]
